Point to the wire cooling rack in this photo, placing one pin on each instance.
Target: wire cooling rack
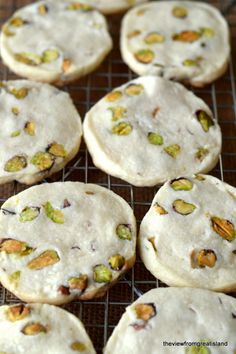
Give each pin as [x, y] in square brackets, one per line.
[101, 315]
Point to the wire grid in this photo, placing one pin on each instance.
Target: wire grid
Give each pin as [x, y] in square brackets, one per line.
[101, 315]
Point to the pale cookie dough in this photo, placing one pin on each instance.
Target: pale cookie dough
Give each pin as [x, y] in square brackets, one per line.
[40, 131]
[150, 130]
[55, 41]
[65, 241]
[180, 321]
[188, 236]
[178, 40]
[37, 329]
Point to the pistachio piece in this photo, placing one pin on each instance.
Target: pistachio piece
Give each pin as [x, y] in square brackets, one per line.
[224, 228]
[54, 214]
[134, 89]
[15, 134]
[15, 111]
[118, 112]
[29, 128]
[201, 153]
[15, 164]
[123, 231]
[14, 278]
[113, 96]
[154, 37]
[159, 209]
[152, 241]
[207, 32]
[205, 120]
[20, 93]
[145, 311]
[17, 22]
[134, 33]
[140, 12]
[179, 12]
[29, 214]
[33, 328]
[11, 246]
[101, 274]
[79, 6]
[181, 184]
[182, 207]
[202, 349]
[50, 55]
[123, 128]
[187, 36]
[206, 258]
[42, 9]
[66, 64]
[57, 150]
[28, 58]
[45, 259]
[155, 139]
[42, 160]
[190, 62]
[144, 56]
[78, 346]
[116, 262]
[78, 283]
[199, 177]
[64, 290]
[173, 150]
[6, 31]
[17, 312]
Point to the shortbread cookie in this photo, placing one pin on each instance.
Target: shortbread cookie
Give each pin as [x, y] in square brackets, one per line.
[38, 329]
[172, 320]
[188, 237]
[150, 130]
[40, 131]
[65, 241]
[55, 41]
[179, 40]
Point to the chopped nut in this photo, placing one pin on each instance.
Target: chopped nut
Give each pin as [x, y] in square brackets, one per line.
[64, 290]
[122, 128]
[113, 96]
[190, 62]
[28, 58]
[180, 12]
[15, 164]
[199, 177]
[187, 36]
[30, 128]
[19, 93]
[173, 150]
[29, 214]
[123, 231]
[101, 274]
[79, 6]
[54, 214]
[17, 312]
[6, 31]
[45, 259]
[205, 120]
[134, 33]
[182, 207]
[155, 139]
[201, 153]
[152, 241]
[206, 258]
[14, 278]
[144, 56]
[50, 55]
[31, 329]
[116, 262]
[207, 32]
[145, 311]
[224, 228]
[181, 184]
[15, 134]
[154, 37]
[140, 12]
[42, 9]
[118, 112]
[134, 89]
[159, 209]
[66, 65]
[15, 111]
[57, 150]
[78, 346]
[42, 160]
[17, 22]
[11, 246]
[79, 283]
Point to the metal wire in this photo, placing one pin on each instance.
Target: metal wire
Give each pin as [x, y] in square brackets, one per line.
[101, 315]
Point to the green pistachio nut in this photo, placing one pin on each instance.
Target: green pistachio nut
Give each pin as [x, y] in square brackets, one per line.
[45, 259]
[205, 120]
[181, 184]
[29, 214]
[153, 38]
[123, 231]
[155, 139]
[101, 274]
[134, 89]
[15, 164]
[50, 55]
[42, 160]
[116, 262]
[118, 112]
[179, 12]
[123, 128]
[144, 56]
[57, 150]
[173, 150]
[55, 215]
[182, 207]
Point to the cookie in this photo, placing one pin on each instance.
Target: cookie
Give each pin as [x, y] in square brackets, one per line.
[37, 329]
[65, 241]
[151, 130]
[55, 41]
[40, 131]
[172, 320]
[178, 40]
[188, 236]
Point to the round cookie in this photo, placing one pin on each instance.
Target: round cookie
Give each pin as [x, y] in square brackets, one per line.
[40, 131]
[65, 241]
[37, 329]
[55, 41]
[150, 130]
[172, 320]
[178, 40]
[188, 236]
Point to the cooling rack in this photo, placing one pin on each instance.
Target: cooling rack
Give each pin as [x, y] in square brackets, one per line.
[101, 315]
